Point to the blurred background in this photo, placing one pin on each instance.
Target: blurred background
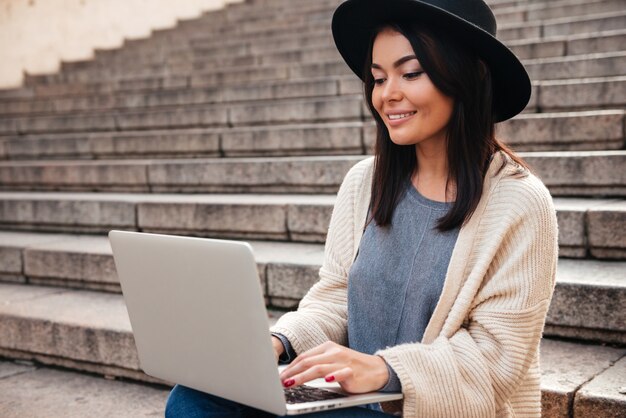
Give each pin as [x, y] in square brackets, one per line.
[36, 35]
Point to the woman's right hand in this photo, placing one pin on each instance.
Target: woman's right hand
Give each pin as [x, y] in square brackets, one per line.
[278, 347]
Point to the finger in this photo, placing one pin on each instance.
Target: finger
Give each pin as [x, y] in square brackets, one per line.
[309, 374]
[313, 352]
[340, 375]
[296, 368]
[307, 355]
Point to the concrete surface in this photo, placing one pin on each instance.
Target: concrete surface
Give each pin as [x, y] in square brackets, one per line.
[45, 392]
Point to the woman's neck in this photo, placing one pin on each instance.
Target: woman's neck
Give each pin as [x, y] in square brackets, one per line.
[431, 177]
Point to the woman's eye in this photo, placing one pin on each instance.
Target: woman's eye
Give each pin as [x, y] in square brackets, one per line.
[414, 75]
[408, 76]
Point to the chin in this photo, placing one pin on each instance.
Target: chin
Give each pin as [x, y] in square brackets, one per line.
[402, 141]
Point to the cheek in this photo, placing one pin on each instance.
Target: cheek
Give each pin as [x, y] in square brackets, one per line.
[438, 107]
[447, 109]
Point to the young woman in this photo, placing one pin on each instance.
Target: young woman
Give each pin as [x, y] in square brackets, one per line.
[441, 253]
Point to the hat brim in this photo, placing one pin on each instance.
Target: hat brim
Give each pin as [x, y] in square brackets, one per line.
[354, 21]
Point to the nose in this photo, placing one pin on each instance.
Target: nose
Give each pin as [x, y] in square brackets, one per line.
[391, 90]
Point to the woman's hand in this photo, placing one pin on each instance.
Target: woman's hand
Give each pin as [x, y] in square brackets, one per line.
[355, 372]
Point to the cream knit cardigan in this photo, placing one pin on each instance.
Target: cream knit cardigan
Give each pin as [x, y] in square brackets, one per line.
[479, 356]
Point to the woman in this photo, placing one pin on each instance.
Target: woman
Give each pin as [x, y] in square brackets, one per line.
[441, 253]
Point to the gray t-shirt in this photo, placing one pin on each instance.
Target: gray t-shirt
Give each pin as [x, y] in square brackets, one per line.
[397, 277]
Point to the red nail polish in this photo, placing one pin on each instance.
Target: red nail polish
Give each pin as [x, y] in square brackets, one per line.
[289, 382]
[330, 379]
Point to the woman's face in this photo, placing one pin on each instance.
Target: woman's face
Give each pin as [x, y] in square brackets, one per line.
[413, 109]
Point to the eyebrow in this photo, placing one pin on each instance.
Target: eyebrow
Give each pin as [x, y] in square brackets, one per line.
[398, 62]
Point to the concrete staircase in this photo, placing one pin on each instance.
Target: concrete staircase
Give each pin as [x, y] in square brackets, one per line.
[242, 124]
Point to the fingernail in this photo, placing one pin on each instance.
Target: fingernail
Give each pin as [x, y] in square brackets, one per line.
[288, 383]
[330, 379]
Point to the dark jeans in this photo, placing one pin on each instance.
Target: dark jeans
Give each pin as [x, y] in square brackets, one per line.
[184, 402]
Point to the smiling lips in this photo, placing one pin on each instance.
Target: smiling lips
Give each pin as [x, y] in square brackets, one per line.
[399, 117]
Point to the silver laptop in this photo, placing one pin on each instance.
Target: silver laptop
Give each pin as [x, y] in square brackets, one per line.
[198, 317]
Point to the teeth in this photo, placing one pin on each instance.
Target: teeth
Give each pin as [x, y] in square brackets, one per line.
[404, 115]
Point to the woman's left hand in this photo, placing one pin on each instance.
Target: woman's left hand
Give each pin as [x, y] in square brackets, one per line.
[355, 372]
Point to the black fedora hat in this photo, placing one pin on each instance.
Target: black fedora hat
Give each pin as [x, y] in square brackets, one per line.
[470, 21]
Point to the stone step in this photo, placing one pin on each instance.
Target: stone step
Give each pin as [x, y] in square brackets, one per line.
[110, 86]
[348, 107]
[210, 48]
[571, 131]
[162, 46]
[604, 92]
[585, 304]
[151, 77]
[191, 61]
[567, 131]
[41, 324]
[588, 301]
[585, 67]
[569, 45]
[587, 227]
[604, 395]
[570, 371]
[604, 64]
[275, 217]
[554, 10]
[565, 173]
[16, 93]
[309, 139]
[599, 173]
[264, 90]
[139, 83]
[560, 26]
[497, 4]
[593, 226]
[64, 393]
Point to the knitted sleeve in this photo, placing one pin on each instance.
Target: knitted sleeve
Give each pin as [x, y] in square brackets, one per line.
[478, 360]
[322, 313]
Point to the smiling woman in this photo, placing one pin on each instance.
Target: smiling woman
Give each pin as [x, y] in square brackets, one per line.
[440, 258]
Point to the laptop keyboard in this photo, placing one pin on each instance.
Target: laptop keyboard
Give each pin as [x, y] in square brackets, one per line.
[301, 394]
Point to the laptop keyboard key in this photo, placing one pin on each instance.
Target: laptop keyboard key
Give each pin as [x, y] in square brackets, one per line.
[301, 394]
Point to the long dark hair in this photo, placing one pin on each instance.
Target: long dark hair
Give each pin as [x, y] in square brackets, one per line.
[471, 141]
